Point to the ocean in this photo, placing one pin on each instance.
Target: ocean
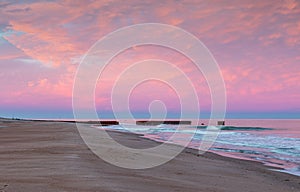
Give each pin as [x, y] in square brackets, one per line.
[275, 143]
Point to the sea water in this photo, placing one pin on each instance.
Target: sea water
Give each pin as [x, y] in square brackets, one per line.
[275, 143]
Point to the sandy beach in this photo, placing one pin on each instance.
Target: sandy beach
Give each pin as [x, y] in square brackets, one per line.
[51, 156]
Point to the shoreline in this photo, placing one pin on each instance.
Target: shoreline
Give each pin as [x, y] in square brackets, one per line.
[51, 156]
[219, 154]
[268, 164]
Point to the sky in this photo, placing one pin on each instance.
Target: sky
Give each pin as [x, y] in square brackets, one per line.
[255, 43]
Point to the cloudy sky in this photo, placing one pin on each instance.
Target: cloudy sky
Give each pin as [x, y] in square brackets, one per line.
[256, 44]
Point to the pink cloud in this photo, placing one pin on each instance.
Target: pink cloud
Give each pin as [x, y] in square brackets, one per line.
[255, 43]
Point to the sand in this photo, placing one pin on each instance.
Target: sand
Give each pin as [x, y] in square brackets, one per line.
[51, 156]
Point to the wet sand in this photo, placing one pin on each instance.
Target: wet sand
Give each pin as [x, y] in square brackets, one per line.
[51, 156]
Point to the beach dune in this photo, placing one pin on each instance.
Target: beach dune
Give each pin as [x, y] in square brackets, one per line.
[51, 156]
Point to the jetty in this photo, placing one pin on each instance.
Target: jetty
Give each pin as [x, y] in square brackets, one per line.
[172, 122]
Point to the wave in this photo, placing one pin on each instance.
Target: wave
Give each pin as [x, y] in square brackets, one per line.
[230, 128]
[245, 151]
